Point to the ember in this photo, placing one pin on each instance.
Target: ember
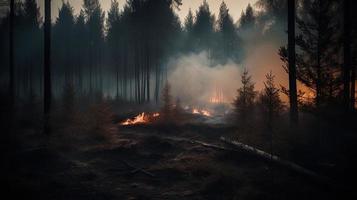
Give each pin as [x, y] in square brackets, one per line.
[201, 112]
[140, 119]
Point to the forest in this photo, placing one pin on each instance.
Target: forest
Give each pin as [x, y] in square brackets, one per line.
[131, 99]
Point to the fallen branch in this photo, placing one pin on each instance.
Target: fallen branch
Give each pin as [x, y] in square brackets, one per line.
[276, 159]
[213, 146]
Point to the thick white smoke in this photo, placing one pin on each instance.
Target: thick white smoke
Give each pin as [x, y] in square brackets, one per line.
[194, 81]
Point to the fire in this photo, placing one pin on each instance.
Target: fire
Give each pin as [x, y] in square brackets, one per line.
[140, 119]
[217, 97]
[206, 113]
[195, 111]
[201, 112]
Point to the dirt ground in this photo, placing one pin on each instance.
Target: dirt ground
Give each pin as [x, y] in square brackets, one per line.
[144, 163]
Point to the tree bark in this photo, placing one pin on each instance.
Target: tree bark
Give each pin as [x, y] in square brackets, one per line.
[11, 57]
[292, 68]
[353, 87]
[347, 55]
[47, 66]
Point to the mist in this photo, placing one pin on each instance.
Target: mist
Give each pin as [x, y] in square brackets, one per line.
[195, 81]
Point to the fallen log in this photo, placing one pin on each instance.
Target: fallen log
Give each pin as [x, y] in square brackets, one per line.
[267, 156]
[257, 152]
[204, 144]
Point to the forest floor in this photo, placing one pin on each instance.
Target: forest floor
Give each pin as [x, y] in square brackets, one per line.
[144, 163]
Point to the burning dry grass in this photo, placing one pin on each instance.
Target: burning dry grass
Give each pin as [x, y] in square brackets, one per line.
[202, 112]
[175, 118]
[143, 118]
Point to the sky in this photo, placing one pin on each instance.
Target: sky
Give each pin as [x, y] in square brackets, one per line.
[235, 6]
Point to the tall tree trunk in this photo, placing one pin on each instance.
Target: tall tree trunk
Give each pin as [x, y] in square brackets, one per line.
[11, 57]
[47, 67]
[353, 54]
[148, 75]
[347, 55]
[353, 87]
[292, 68]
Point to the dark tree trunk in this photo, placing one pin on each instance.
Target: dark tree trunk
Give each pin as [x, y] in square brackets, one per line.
[347, 55]
[353, 87]
[47, 66]
[11, 57]
[353, 55]
[292, 67]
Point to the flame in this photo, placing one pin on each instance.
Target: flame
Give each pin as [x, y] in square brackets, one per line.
[218, 96]
[201, 112]
[206, 113]
[195, 111]
[140, 119]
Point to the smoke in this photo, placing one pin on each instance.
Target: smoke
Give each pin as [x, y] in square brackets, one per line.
[195, 81]
[262, 59]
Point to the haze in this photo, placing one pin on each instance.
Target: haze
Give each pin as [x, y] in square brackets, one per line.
[235, 6]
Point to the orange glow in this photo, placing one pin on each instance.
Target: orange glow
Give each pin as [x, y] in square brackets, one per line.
[217, 97]
[195, 111]
[206, 113]
[140, 119]
[201, 112]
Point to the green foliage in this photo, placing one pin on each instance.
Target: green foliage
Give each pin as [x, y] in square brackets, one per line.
[269, 99]
[203, 29]
[247, 18]
[189, 21]
[317, 60]
[245, 100]
[228, 43]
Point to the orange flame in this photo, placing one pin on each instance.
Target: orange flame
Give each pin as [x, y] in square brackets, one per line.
[140, 119]
[206, 113]
[195, 111]
[218, 96]
[201, 112]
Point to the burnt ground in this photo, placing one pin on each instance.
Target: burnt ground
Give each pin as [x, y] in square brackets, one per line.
[144, 163]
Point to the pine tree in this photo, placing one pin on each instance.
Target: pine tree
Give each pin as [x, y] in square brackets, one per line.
[63, 38]
[80, 48]
[245, 100]
[188, 28]
[347, 55]
[47, 68]
[189, 21]
[113, 40]
[95, 27]
[11, 59]
[291, 65]
[316, 60]
[228, 42]
[247, 19]
[269, 99]
[31, 27]
[203, 29]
